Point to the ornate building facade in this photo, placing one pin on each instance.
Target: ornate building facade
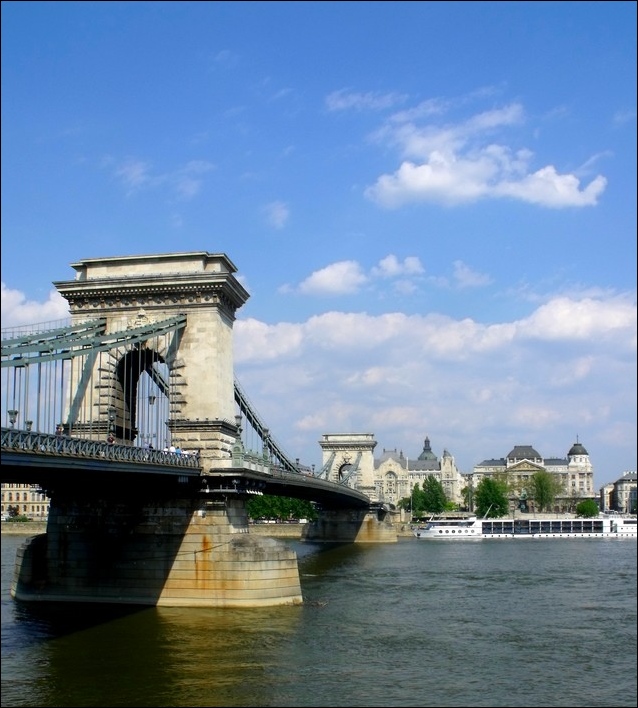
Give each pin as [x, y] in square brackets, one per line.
[574, 473]
[621, 495]
[395, 475]
[24, 500]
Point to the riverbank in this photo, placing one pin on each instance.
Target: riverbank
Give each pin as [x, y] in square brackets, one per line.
[293, 531]
[23, 528]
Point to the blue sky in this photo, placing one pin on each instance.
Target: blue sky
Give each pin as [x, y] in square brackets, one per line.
[432, 204]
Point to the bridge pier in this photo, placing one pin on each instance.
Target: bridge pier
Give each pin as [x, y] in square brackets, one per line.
[351, 526]
[184, 553]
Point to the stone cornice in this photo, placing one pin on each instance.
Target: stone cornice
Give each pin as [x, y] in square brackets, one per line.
[150, 292]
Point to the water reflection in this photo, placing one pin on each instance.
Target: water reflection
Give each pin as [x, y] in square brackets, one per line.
[486, 624]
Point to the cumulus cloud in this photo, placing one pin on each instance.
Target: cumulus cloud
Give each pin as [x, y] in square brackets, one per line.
[406, 275]
[18, 311]
[567, 319]
[391, 267]
[461, 163]
[338, 278]
[566, 368]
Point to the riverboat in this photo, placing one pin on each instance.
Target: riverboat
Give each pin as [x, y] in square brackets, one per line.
[475, 528]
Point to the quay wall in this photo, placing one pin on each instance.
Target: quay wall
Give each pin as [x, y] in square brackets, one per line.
[290, 531]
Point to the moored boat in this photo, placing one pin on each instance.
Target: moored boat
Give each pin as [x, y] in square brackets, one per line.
[475, 528]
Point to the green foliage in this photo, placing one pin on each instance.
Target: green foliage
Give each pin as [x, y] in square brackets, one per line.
[490, 498]
[587, 508]
[468, 497]
[434, 499]
[414, 503]
[280, 508]
[544, 488]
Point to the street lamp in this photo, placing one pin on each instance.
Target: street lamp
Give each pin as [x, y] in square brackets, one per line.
[111, 419]
[13, 417]
[28, 424]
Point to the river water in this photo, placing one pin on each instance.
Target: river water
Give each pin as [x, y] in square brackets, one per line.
[548, 622]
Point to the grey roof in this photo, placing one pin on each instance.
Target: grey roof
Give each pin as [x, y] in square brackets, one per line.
[427, 453]
[523, 452]
[555, 461]
[492, 463]
[391, 455]
[424, 465]
[577, 449]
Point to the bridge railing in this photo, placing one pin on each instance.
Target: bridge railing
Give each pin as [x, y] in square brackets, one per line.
[47, 444]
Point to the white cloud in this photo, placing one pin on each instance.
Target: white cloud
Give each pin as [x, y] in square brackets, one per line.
[336, 279]
[461, 163]
[349, 277]
[547, 188]
[18, 311]
[391, 267]
[465, 277]
[587, 319]
[567, 368]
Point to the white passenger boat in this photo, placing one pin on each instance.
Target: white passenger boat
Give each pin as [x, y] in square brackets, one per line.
[475, 528]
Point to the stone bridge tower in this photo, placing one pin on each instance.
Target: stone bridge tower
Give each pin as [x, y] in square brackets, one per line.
[133, 291]
[349, 458]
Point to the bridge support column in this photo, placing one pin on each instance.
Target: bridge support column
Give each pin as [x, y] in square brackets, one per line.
[351, 526]
[187, 553]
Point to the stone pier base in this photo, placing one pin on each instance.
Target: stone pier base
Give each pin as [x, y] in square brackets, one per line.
[186, 554]
[350, 526]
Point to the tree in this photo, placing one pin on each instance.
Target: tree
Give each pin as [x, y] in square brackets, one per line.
[434, 498]
[468, 497]
[417, 501]
[281, 508]
[544, 488]
[587, 508]
[490, 498]
[410, 503]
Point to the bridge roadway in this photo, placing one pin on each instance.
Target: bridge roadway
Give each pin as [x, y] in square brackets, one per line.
[54, 461]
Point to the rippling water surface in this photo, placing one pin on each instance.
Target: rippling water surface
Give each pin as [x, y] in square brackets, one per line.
[419, 623]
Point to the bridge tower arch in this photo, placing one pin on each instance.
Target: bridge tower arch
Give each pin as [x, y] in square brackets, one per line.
[132, 291]
[348, 458]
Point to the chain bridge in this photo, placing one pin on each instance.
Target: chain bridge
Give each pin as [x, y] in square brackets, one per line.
[130, 418]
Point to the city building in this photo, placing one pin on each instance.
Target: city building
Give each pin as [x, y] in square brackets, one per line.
[24, 500]
[395, 475]
[620, 495]
[574, 473]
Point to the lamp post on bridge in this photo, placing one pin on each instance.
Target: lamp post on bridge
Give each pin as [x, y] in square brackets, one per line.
[13, 417]
[111, 436]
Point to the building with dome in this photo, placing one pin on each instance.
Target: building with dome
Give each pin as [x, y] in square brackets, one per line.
[395, 474]
[574, 472]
